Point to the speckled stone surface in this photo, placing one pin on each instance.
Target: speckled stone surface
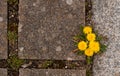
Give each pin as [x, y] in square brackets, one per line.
[46, 28]
[3, 72]
[3, 29]
[107, 22]
[51, 72]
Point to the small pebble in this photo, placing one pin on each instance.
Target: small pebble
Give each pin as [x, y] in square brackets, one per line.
[21, 49]
[34, 4]
[47, 73]
[66, 67]
[20, 27]
[12, 15]
[69, 2]
[26, 65]
[69, 59]
[59, 48]
[1, 19]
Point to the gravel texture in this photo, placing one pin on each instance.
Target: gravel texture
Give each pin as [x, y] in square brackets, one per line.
[106, 16]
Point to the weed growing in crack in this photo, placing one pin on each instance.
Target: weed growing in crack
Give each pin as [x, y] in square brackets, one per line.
[14, 62]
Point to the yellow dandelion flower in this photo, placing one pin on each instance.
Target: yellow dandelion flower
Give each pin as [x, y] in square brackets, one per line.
[87, 29]
[82, 45]
[95, 46]
[89, 52]
[91, 37]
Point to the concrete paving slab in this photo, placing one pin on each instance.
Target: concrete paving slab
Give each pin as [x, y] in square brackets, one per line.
[107, 22]
[3, 72]
[3, 29]
[46, 28]
[51, 72]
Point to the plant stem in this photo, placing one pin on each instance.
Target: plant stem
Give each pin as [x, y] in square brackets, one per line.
[89, 61]
[75, 50]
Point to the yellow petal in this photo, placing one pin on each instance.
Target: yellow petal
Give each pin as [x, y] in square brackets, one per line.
[87, 29]
[91, 37]
[89, 52]
[82, 45]
[95, 46]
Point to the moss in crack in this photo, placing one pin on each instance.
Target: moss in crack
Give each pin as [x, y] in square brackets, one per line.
[15, 2]
[14, 62]
[47, 64]
[12, 36]
[72, 65]
[88, 73]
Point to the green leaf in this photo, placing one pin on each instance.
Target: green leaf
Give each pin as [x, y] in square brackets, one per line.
[83, 37]
[77, 37]
[81, 28]
[47, 64]
[80, 52]
[14, 62]
[103, 48]
[99, 38]
[76, 43]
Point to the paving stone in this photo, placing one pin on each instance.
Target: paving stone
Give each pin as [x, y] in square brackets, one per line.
[46, 28]
[3, 72]
[51, 72]
[3, 29]
[107, 22]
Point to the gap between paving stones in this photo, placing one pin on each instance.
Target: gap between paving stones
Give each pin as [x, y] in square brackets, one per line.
[12, 35]
[88, 21]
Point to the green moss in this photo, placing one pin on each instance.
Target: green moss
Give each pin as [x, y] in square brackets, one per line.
[14, 62]
[47, 64]
[88, 73]
[15, 2]
[72, 65]
[12, 36]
